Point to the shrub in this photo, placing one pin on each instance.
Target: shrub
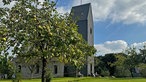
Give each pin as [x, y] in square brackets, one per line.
[122, 72]
[142, 69]
[104, 73]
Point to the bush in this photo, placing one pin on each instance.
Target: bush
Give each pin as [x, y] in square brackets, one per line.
[122, 72]
[142, 69]
[17, 77]
[48, 76]
[143, 72]
[104, 73]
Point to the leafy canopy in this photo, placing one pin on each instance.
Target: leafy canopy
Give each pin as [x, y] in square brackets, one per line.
[37, 30]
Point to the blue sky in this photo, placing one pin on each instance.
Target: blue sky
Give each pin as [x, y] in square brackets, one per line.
[117, 23]
[105, 30]
[131, 33]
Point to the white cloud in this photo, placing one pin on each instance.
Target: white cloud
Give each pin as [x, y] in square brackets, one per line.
[9, 6]
[111, 47]
[62, 10]
[126, 11]
[100, 8]
[138, 45]
[116, 46]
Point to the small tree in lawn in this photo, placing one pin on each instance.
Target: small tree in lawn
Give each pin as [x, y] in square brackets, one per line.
[37, 31]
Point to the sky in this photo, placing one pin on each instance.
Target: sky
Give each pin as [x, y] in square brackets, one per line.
[117, 23]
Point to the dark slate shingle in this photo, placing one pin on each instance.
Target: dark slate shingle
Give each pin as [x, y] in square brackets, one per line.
[80, 12]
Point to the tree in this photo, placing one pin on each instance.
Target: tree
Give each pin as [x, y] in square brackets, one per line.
[132, 60]
[104, 64]
[121, 70]
[108, 59]
[100, 66]
[142, 69]
[142, 54]
[142, 64]
[37, 31]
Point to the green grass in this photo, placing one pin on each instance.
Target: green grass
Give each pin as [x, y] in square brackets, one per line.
[113, 80]
[86, 79]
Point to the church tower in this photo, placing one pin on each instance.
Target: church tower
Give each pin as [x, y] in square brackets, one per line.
[83, 15]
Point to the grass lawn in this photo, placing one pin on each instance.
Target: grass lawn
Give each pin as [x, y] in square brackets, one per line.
[86, 79]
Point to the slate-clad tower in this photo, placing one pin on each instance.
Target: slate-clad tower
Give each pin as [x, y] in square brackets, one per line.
[83, 15]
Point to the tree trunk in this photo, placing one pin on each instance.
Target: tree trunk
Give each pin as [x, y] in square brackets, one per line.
[43, 69]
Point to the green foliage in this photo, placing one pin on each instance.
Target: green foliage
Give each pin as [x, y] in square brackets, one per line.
[86, 79]
[45, 32]
[126, 64]
[142, 68]
[108, 59]
[105, 73]
[48, 75]
[6, 66]
[3, 32]
[121, 71]
[38, 32]
[100, 66]
[104, 65]
[133, 58]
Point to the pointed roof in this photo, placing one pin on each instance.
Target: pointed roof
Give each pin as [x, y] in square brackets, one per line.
[81, 12]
